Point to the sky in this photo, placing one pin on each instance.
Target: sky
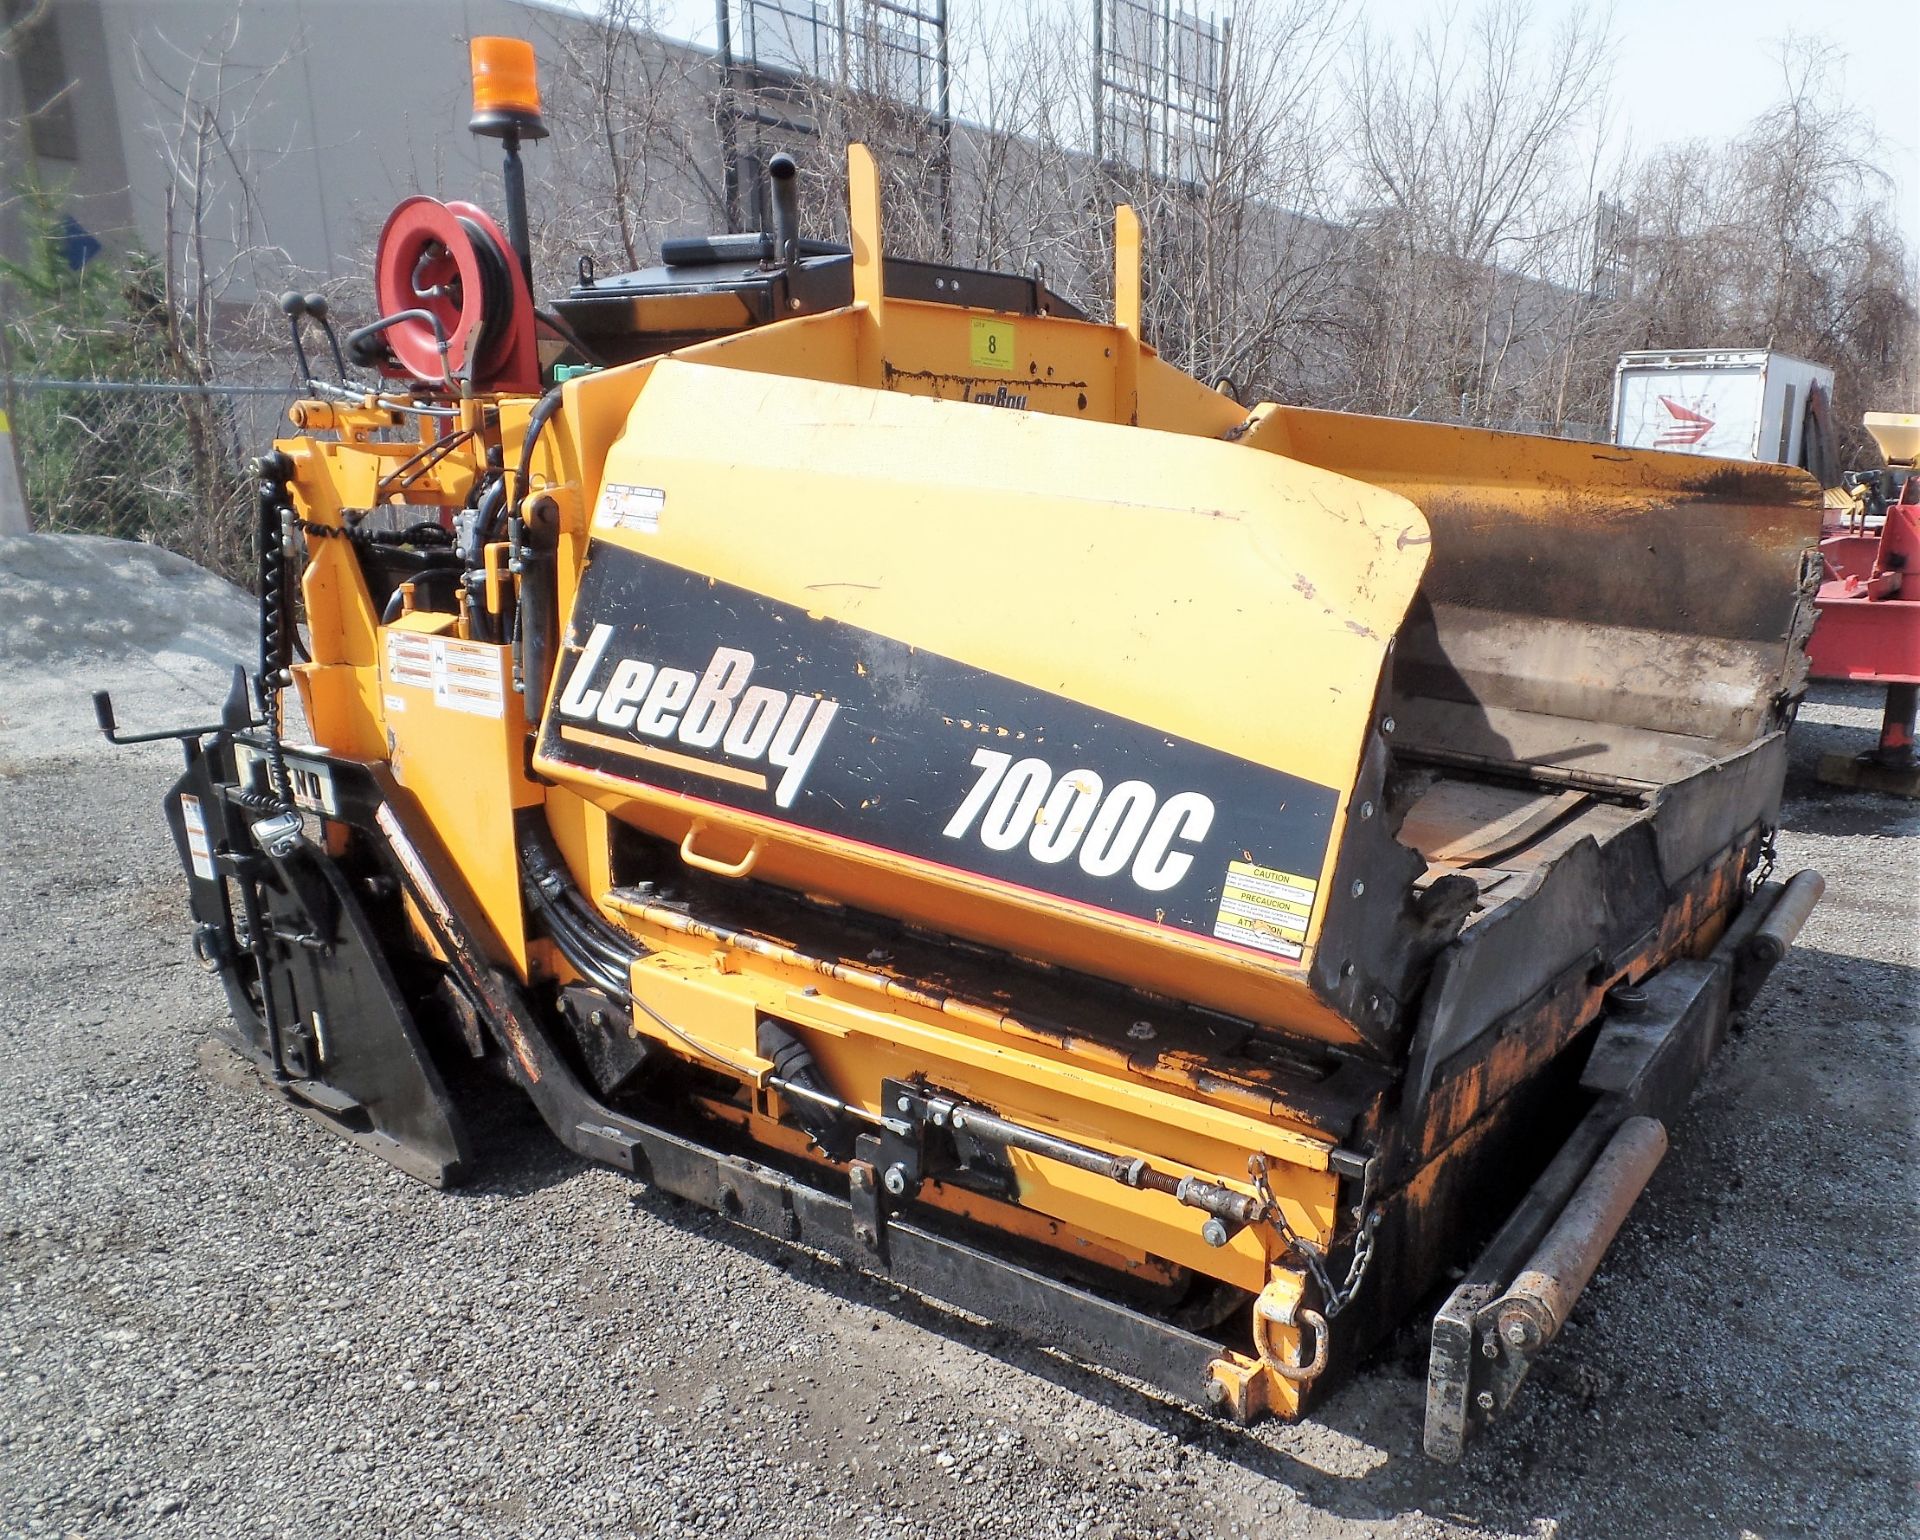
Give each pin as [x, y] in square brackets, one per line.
[1683, 69]
[1688, 69]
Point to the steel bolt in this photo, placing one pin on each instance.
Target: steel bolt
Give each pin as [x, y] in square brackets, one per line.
[1489, 1349]
[895, 1180]
[1359, 888]
[1520, 1333]
[1366, 810]
[1216, 1392]
[1386, 725]
[1215, 1233]
[903, 1104]
[1484, 1400]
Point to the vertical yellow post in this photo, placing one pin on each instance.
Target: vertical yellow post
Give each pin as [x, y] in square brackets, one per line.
[869, 278]
[1126, 313]
[1126, 270]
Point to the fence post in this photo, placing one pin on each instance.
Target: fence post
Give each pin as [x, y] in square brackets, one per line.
[14, 519]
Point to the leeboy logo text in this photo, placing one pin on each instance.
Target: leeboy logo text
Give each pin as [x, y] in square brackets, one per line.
[717, 708]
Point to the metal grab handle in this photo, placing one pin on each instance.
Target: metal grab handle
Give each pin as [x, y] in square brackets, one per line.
[693, 857]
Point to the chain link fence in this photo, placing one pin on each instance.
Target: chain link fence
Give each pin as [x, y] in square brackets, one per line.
[154, 460]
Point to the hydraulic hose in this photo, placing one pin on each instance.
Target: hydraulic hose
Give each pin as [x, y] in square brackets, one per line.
[617, 960]
[598, 950]
[585, 959]
[497, 503]
[536, 424]
[486, 518]
[604, 937]
[536, 627]
[567, 334]
[585, 937]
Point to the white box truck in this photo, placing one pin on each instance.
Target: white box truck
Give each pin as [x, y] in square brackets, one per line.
[1742, 404]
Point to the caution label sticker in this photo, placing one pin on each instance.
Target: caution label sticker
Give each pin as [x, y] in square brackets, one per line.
[466, 677]
[410, 659]
[1265, 908]
[630, 507]
[463, 676]
[199, 849]
[990, 344]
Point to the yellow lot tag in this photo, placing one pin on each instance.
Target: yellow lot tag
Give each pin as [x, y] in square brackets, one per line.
[5, 426]
[1265, 908]
[991, 344]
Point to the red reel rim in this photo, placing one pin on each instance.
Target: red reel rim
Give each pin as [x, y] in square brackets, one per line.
[425, 229]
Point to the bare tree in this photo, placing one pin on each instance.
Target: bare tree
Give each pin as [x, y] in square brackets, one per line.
[1241, 275]
[215, 263]
[1464, 142]
[1244, 278]
[632, 117]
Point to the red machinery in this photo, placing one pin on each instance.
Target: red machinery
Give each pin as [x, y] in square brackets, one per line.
[1869, 603]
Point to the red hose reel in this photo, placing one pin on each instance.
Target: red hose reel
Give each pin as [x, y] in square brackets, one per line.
[451, 261]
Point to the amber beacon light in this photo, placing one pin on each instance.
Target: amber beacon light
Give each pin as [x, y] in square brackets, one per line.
[506, 89]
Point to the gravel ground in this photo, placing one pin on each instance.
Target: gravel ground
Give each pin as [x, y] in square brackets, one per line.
[216, 1320]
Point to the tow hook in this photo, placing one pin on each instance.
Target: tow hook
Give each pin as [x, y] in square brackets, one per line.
[1283, 1308]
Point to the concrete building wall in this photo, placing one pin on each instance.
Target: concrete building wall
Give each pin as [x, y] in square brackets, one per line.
[347, 106]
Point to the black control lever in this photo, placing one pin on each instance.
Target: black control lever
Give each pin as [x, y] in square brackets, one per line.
[293, 305]
[297, 307]
[317, 308]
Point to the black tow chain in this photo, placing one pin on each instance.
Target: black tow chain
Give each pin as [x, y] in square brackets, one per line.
[1335, 1297]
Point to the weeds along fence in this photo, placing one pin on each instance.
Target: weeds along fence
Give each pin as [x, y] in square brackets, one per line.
[162, 461]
